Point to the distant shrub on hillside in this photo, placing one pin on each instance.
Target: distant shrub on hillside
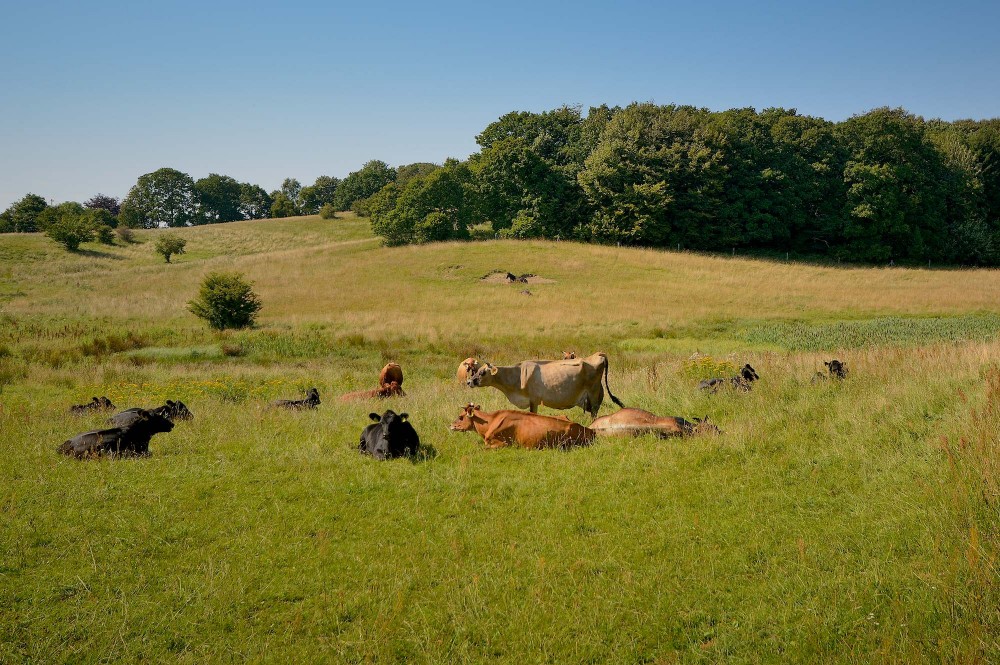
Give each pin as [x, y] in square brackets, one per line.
[328, 211]
[168, 245]
[71, 231]
[226, 300]
[125, 234]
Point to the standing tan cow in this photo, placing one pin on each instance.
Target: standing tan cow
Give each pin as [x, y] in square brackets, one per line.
[517, 428]
[557, 384]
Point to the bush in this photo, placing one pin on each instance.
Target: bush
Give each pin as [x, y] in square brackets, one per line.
[125, 234]
[105, 234]
[226, 300]
[70, 231]
[169, 244]
[328, 211]
[360, 207]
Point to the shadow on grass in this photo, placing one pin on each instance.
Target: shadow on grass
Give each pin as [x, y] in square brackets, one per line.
[93, 253]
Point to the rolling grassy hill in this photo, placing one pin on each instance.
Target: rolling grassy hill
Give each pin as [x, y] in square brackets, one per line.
[829, 523]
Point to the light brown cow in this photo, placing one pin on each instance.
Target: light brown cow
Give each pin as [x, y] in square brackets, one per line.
[391, 372]
[517, 428]
[636, 422]
[557, 384]
[468, 367]
[391, 389]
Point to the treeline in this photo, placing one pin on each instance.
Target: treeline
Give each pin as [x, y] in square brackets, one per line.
[883, 186]
[168, 197]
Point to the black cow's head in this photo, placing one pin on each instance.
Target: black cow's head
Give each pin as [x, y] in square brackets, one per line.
[837, 369]
[390, 436]
[748, 373]
[312, 396]
[149, 423]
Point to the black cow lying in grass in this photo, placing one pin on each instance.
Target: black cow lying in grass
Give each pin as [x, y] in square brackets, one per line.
[95, 404]
[391, 435]
[131, 440]
[744, 381]
[310, 402]
[837, 370]
[172, 411]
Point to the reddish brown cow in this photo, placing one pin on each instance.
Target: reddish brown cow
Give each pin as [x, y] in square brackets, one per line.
[517, 428]
[569, 355]
[391, 372]
[391, 389]
[636, 422]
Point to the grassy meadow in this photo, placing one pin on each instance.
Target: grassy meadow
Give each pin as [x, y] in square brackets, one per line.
[832, 522]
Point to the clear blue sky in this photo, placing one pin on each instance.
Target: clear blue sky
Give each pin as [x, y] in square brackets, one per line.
[92, 95]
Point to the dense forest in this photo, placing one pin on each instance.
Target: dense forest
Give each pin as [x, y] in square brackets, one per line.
[883, 186]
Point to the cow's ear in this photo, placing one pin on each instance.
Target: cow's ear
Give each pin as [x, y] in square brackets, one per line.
[404, 416]
[493, 370]
[477, 407]
[375, 417]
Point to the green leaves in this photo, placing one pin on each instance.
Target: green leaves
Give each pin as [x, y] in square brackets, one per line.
[226, 300]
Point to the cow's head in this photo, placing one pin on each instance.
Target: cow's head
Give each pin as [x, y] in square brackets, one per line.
[390, 430]
[482, 376]
[466, 420]
[748, 373]
[179, 410]
[312, 396]
[389, 389]
[466, 369]
[837, 369]
[569, 355]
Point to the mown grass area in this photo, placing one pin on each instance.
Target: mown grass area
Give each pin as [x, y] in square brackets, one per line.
[853, 522]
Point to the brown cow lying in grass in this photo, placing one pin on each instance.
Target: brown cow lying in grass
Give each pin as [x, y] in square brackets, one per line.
[517, 428]
[636, 422]
[391, 389]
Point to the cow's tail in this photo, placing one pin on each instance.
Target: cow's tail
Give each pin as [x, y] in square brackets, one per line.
[607, 367]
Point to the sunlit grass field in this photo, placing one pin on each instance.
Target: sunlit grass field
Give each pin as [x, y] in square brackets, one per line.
[853, 522]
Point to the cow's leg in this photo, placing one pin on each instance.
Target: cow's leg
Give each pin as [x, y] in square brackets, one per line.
[493, 444]
[533, 407]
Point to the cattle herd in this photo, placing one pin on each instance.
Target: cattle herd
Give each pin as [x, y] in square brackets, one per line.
[558, 384]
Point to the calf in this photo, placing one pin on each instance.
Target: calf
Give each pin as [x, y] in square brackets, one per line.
[131, 440]
[95, 404]
[390, 435]
[172, 411]
[517, 428]
[311, 401]
[743, 381]
[636, 422]
[391, 389]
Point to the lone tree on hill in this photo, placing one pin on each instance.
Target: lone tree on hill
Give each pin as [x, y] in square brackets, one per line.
[168, 245]
[226, 300]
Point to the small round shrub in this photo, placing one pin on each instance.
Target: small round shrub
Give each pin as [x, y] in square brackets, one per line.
[168, 245]
[328, 211]
[125, 234]
[105, 234]
[70, 231]
[226, 300]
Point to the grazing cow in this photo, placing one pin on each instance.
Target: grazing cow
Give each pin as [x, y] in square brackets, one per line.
[557, 384]
[391, 389]
[95, 404]
[172, 411]
[311, 401]
[390, 435]
[131, 440]
[517, 428]
[743, 381]
[391, 372]
[636, 422]
[468, 367]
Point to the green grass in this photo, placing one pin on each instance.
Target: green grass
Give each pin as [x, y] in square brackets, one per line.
[852, 522]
